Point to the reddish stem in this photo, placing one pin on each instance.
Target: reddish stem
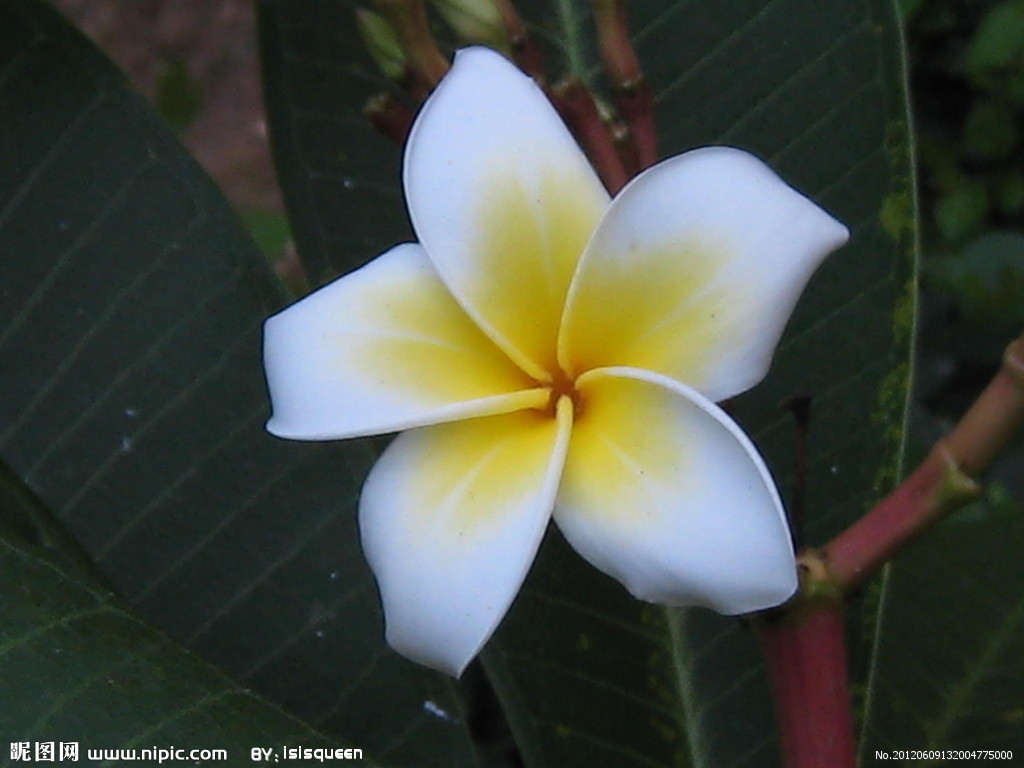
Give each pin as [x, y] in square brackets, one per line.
[636, 105]
[409, 20]
[623, 140]
[868, 544]
[389, 116]
[632, 94]
[524, 52]
[941, 484]
[806, 658]
[803, 642]
[577, 107]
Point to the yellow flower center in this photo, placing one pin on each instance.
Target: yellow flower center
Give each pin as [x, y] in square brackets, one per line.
[562, 385]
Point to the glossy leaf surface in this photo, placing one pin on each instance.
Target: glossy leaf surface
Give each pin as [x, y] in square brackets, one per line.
[79, 668]
[134, 403]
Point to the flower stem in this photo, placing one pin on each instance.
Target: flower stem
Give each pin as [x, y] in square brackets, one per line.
[632, 94]
[409, 20]
[803, 642]
[804, 647]
[390, 117]
[799, 407]
[944, 482]
[576, 105]
[524, 52]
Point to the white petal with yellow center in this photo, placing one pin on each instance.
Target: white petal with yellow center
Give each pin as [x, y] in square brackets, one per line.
[503, 200]
[451, 517]
[662, 491]
[694, 272]
[382, 349]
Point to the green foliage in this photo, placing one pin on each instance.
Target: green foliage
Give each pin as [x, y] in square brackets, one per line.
[962, 583]
[269, 230]
[78, 667]
[995, 53]
[957, 684]
[969, 76]
[962, 210]
[178, 96]
[986, 279]
[132, 317]
[990, 132]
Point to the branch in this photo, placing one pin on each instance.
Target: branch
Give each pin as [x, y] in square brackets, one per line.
[577, 107]
[805, 651]
[409, 20]
[803, 641]
[630, 90]
[524, 52]
[389, 116]
[945, 481]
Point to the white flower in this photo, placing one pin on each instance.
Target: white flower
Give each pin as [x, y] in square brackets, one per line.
[549, 352]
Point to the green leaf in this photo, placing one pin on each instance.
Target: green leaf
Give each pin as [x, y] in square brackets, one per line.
[23, 517]
[270, 231]
[909, 8]
[962, 211]
[134, 402]
[179, 97]
[78, 667]
[948, 673]
[986, 280]
[998, 42]
[1011, 192]
[990, 132]
[585, 674]
[339, 177]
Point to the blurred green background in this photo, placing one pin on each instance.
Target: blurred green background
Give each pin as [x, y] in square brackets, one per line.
[967, 89]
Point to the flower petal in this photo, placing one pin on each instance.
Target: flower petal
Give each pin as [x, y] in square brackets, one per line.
[503, 200]
[694, 272]
[451, 518]
[664, 492]
[382, 349]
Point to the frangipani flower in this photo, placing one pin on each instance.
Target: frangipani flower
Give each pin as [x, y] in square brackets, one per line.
[548, 352]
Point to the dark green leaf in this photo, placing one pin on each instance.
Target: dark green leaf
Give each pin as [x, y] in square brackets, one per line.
[178, 97]
[79, 668]
[24, 517]
[948, 673]
[1011, 192]
[586, 675]
[998, 41]
[339, 177]
[986, 280]
[990, 132]
[961, 212]
[134, 402]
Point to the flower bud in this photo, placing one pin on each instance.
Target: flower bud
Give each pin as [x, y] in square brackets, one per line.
[382, 43]
[476, 21]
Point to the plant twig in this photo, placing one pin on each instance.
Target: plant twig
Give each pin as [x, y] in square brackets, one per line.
[409, 20]
[389, 116]
[799, 407]
[944, 482]
[805, 650]
[577, 107]
[630, 90]
[803, 642]
[524, 52]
